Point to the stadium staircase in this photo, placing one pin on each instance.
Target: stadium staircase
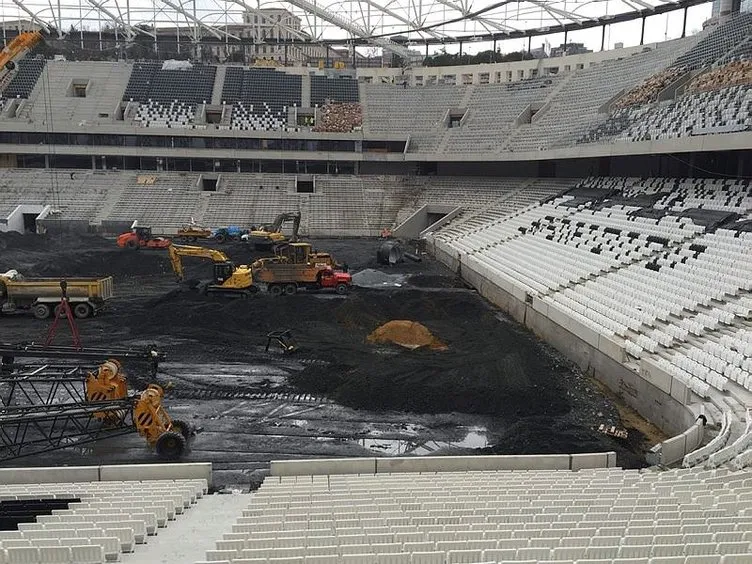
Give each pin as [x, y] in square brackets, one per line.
[219, 82]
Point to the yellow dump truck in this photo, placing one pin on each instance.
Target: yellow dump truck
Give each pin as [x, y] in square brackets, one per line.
[87, 296]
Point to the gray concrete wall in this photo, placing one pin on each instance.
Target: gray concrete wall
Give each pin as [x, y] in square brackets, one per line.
[442, 464]
[130, 472]
[596, 355]
[412, 227]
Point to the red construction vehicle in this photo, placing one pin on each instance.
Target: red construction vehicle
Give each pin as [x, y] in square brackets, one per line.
[141, 238]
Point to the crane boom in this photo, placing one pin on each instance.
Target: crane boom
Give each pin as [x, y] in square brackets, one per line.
[177, 251]
[17, 46]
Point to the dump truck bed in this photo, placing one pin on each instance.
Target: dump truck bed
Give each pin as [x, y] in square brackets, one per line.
[97, 289]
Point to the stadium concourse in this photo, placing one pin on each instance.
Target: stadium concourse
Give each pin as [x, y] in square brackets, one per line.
[577, 201]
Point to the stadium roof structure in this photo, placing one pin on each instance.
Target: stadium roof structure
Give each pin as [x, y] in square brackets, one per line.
[393, 25]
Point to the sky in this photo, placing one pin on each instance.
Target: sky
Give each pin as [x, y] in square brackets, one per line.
[220, 12]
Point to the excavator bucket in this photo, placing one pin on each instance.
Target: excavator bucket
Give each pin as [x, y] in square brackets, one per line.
[284, 339]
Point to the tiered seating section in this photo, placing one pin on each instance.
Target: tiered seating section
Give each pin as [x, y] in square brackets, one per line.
[339, 118]
[172, 115]
[418, 112]
[169, 203]
[721, 40]
[718, 101]
[262, 96]
[649, 90]
[531, 115]
[149, 81]
[260, 117]
[492, 110]
[105, 83]
[593, 517]
[168, 97]
[486, 201]
[102, 521]
[28, 71]
[575, 105]
[325, 89]
[658, 267]
[705, 113]
[77, 195]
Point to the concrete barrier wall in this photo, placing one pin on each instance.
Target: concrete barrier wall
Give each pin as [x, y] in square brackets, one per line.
[660, 401]
[184, 471]
[323, 466]
[49, 475]
[676, 448]
[442, 464]
[125, 472]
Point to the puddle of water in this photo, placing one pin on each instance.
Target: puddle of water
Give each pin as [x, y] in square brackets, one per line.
[297, 422]
[476, 437]
[197, 372]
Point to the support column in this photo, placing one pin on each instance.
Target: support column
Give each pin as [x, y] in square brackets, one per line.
[529, 43]
[566, 34]
[642, 32]
[684, 24]
[460, 48]
[603, 37]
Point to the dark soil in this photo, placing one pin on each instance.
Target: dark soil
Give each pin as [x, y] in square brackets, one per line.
[537, 401]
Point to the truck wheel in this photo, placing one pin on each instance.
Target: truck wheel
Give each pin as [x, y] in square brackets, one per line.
[170, 445]
[275, 290]
[221, 238]
[131, 244]
[291, 289]
[42, 311]
[341, 289]
[236, 238]
[82, 310]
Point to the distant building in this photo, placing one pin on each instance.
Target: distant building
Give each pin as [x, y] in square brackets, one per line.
[271, 30]
[16, 26]
[569, 49]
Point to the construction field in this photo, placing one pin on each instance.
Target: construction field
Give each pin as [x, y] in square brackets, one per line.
[494, 389]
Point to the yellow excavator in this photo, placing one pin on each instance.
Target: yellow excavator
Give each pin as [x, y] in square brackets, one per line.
[229, 280]
[266, 237]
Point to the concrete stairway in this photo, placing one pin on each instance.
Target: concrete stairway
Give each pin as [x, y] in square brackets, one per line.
[188, 538]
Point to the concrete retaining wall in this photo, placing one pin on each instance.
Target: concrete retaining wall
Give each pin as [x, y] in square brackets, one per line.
[442, 464]
[130, 472]
[660, 400]
[674, 449]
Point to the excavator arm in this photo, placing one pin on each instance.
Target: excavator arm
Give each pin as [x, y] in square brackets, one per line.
[178, 251]
[280, 220]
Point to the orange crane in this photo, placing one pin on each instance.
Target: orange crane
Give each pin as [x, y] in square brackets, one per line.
[17, 48]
